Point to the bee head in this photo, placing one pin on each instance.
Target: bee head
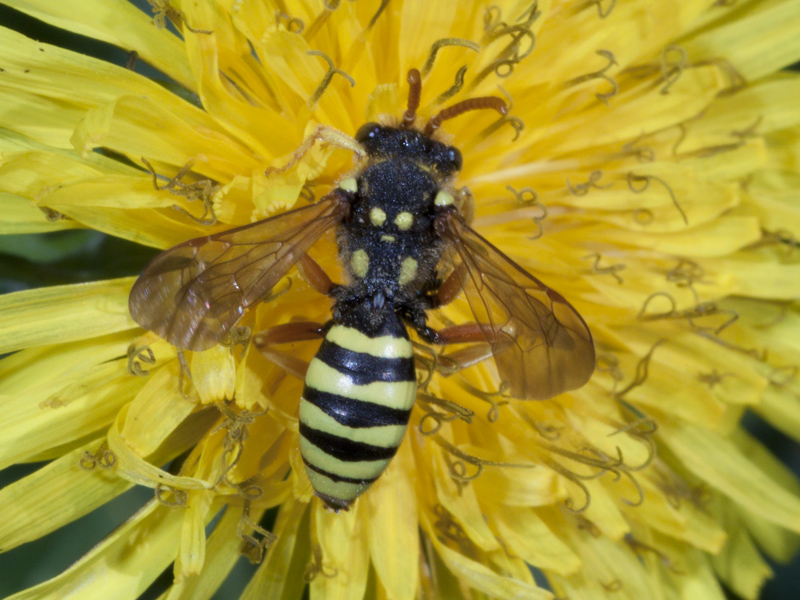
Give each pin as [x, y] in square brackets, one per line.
[382, 141]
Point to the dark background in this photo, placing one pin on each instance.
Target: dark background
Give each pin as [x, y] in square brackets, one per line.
[75, 256]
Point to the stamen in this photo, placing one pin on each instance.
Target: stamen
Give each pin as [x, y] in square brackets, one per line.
[133, 57]
[439, 44]
[532, 201]
[511, 55]
[237, 431]
[163, 10]
[143, 354]
[53, 215]
[643, 154]
[641, 547]
[292, 24]
[516, 123]
[327, 78]
[180, 499]
[252, 547]
[631, 178]
[205, 190]
[642, 371]
[438, 418]
[184, 372]
[583, 188]
[307, 192]
[609, 363]
[604, 12]
[239, 336]
[609, 270]
[450, 529]
[316, 566]
[455, 88]
[376, 16]
[601, 74]
[103, 457]
[494, 410]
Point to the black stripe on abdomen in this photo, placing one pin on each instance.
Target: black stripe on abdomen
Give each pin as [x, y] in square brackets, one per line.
[338, 478]
[363, 368]
[355, 413]
[344, 449]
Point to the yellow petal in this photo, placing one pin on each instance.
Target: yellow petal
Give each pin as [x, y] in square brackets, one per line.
[93, 18]
[222, 553]
[53, 496]
[192, 551]
[143, 127]
[390, 511]
[129, 465]
[476, 575]
[20, 215]
[123, 565]
[280, 574]
[739, 564]
[158, 409]
[65, 313]
[527, 535]
[760, 44]
[344, 551]
[719, 462]
[25, 418]
[214, 374]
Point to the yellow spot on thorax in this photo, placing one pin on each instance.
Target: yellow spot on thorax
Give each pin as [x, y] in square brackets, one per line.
[443, 199]
[359, 262]
[404, 221]
[377, 217]
[349, 185]
[408, 271]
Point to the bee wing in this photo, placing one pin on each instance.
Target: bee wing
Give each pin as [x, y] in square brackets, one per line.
[192, 294]
[541, 345]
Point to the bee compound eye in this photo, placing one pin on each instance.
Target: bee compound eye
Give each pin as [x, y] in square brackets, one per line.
[367, 131]
[455, 158]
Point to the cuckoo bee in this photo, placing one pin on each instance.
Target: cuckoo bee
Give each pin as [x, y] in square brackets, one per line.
[406, 247]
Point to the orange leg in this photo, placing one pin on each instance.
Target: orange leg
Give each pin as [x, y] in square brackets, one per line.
[316, 276]
[284, 334]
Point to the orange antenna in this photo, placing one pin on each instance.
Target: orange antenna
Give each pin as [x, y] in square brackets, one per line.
[492, 102]
[414, 91]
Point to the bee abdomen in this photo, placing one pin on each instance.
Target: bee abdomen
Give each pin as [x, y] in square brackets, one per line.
[354, 412]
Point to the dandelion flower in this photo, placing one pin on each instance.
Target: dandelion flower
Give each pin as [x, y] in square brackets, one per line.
[647, 170]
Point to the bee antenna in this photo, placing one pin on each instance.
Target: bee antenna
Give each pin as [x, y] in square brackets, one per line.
[414, 92]
[492, 102]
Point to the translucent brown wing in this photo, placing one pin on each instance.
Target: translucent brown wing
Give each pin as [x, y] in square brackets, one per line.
[192, 294]
[541, 345]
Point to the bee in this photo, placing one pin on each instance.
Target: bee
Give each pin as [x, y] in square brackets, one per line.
[406, 248]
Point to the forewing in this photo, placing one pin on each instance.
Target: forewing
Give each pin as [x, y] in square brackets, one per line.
[192, 294]
[541, 345]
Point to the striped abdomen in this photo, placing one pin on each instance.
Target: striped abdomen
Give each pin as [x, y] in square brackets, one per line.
[355, 408]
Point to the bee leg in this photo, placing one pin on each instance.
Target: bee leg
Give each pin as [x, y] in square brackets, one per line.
[450, 288]
[326, 135]
[316, 276]
[457, 334]
[284, 334]
[477, 336]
